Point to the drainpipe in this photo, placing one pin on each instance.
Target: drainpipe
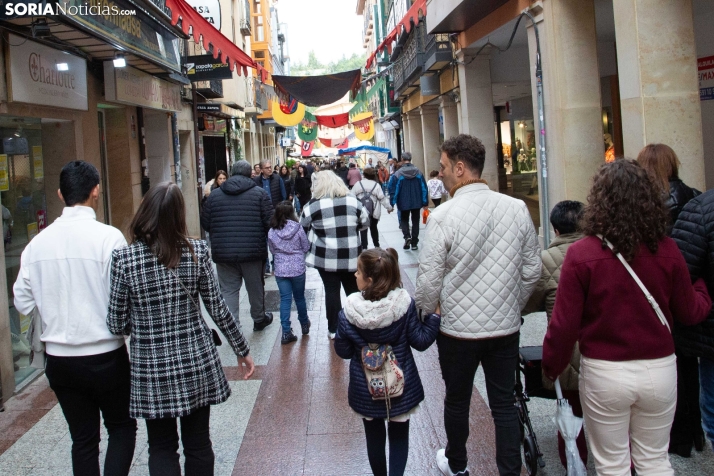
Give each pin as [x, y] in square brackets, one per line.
[177, 149]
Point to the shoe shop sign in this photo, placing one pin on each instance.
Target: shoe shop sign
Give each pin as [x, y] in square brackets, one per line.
[46, 76]
[131, 86]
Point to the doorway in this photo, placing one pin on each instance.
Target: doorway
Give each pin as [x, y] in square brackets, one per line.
[214, 152]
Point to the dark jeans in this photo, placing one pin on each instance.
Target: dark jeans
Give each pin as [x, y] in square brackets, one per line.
[333, 280]
[459, 360]
[373, 222]
[289, 288]
[573, 398]
[196, 439]
[437, 202]
[688, 416]
[376, 435]
[86, 386]
[416, 216]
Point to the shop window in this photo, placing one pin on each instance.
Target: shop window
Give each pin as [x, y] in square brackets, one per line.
[24, 214]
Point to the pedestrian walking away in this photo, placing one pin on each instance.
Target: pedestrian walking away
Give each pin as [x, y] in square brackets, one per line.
[380, 318]
[620, 289]
[333, 220]
[662, 164]
[288, 243]
[564, 218]
[65, 277]
[237, 215]
[370, 194]
[156, 284]
[410, 195]
[436, 188]
[303, 186]
[481, 291]
[353, 176]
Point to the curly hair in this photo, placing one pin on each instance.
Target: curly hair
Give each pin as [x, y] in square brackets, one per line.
[626, 207]
[466, 149]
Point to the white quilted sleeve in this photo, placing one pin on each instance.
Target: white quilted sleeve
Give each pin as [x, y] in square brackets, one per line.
[530, 254]
[432, 268]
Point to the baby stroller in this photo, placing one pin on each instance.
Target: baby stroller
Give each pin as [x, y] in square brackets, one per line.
[529, 364]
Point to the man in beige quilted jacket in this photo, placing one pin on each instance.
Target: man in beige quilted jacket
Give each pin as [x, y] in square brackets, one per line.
[480, 263]
[564, 218]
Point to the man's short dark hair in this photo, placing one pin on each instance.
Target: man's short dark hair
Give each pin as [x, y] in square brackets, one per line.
[407, 156]
[565, 216]
[466, 149]
[241, 167]
[77, 180]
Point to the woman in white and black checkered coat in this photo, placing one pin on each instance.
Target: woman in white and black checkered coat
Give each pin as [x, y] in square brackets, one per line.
[175, 368]
[332, 220]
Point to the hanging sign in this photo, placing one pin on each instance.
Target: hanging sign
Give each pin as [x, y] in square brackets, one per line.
[37, 163]
[34, 76]
[206, 68]
[288, 114]
[706, 78]
[4, 177]
[307, 148]
[131, 86]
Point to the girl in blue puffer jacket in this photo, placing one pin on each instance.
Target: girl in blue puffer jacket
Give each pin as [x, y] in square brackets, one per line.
[384, 313]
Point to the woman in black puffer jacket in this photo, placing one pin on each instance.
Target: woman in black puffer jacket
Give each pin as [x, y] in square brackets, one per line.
[384, 313]
[662, 164]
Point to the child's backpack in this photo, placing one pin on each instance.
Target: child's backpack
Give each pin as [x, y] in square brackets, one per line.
[366, 199]
[385, 379]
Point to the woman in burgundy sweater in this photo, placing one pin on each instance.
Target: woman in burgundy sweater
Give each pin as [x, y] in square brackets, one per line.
[628, 374]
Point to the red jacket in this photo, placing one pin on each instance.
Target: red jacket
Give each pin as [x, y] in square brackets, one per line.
[599, 304]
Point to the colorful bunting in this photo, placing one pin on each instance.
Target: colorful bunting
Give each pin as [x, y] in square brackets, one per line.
[307, 147]
[288, 113]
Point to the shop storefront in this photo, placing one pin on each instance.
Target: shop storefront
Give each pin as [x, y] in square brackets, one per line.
[220, 142]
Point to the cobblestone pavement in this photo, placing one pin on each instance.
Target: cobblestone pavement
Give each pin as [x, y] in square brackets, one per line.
[292, 418]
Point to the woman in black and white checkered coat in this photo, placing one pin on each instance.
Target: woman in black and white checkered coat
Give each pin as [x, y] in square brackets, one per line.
[332, 220]
[175, 369]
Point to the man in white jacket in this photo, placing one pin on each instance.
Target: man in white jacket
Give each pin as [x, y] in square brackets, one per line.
[64, 273]
[480, 263]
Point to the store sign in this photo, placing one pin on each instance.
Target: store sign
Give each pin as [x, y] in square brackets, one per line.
[131, 86]
[208, 9]
[36, 79]
[139, 33]
[4, 176]
[706, 78]
[208, 108]
[206, 68]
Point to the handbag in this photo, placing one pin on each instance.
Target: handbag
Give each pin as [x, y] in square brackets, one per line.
[214, 334]
[649, 296]
[385, 379]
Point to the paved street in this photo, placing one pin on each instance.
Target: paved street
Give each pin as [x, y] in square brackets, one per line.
[292, 418]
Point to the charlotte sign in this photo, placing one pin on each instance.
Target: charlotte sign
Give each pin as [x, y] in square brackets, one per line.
[131, 86]
[36, 79]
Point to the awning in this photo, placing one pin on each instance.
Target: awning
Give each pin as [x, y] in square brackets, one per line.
[379, 151]
[206, 34]
[412, 16]
[318, 91]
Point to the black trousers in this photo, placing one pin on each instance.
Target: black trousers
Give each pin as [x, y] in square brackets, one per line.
[437, 202]
[415, 215]
[86, 386]
[688, 416]
[333, 302]
[376, 435]
[459, 360]
[196, 439]
[373, 222]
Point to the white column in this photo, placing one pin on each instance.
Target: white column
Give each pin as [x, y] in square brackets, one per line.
[450, 113]
[477, 107]
[659, 90]
[405, 133]
[416, 138]
[430, 138]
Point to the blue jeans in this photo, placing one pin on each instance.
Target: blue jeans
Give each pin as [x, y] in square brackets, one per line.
[706, 395]
[289, 288]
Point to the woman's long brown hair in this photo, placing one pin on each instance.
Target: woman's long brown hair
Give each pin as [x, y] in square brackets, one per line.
[661, 162]
[626, 207]
[160, 223]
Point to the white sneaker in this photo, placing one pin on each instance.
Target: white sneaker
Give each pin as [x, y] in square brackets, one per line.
[331, 335]
[443, 463]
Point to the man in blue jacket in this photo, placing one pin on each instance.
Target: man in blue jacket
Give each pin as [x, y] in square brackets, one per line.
[410, 195]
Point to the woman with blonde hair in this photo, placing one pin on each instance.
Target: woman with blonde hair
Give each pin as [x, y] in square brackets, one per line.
[333, 219]
[662, 165]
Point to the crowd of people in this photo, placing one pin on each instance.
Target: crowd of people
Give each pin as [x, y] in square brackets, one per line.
[625, 287]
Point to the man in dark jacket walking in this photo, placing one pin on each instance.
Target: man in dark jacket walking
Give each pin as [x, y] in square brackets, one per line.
[410, 195]
[271, 182]
[694, 234]
[237, 215]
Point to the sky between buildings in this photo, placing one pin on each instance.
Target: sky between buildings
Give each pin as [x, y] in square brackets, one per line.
[329, 27]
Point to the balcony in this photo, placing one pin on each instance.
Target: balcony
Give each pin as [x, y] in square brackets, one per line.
[438, 52]
[210, 89]
[412, 61]
[245, 27]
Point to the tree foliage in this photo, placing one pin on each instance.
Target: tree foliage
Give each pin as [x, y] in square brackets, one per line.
[315, 67]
